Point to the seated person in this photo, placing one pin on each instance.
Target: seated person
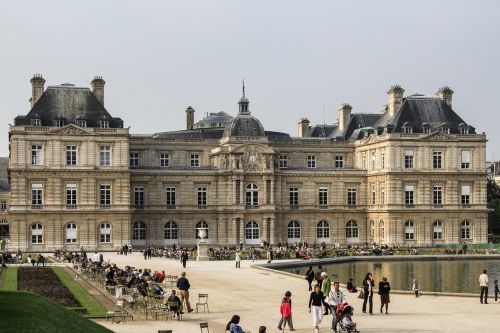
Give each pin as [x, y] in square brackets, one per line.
[175, 309]
[351, 286]
[348, 323]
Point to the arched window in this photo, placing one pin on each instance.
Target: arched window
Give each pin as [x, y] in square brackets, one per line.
[201, 226]
[465, 230]
[323, 230]
[409, 230]
[252, 231]
[139, 231]
[437, 230]
[372, 230]
[382, 230]
[170, 230]
[105, 233]
[352, 230]
[252, 195]
[71, 233]
[36, 233]
[293, 231]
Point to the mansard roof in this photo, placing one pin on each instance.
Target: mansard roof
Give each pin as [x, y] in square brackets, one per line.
[70, 104]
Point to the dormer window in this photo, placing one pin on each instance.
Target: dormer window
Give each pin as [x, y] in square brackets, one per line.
[407, 130]
[104, 124]
[464, 130]
[59, 122]
[37, 122]
[426, 130]
[82, 122]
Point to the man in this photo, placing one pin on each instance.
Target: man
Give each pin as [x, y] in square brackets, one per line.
[183, 285]
[95, 258]
[175, 309]
[184, 258]
[336, 298]
[483, 283]
[238, 259]
[464, 248]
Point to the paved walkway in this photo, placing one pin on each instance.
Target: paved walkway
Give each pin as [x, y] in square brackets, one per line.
[255, 296]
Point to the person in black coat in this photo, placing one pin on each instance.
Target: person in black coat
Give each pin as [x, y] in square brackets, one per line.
[310, 277]
[368, 292]
[184, 258]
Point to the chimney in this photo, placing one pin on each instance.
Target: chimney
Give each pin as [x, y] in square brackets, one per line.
[395, 99]
[303, 126]
[97, 87]
[446, 94]
[189, 118]
[37, 83]
[344, 116]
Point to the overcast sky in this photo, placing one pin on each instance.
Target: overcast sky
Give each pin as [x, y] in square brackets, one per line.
[298, 58]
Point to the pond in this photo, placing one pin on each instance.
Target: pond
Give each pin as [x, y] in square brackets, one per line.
[452, 276]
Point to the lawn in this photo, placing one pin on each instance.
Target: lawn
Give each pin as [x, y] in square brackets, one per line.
[27, 312]
[8, 279]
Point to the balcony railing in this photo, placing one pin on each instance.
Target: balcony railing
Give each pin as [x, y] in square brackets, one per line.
[36, 206]
[105, 206]
[71, 206]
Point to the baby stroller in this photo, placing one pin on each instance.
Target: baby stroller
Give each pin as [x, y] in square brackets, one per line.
[347, 310]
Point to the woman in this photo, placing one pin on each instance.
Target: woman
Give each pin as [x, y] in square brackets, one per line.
[233, 326]
[415, 287]
[368, 292]
[383, 290]
[315, 301]
[310, 277]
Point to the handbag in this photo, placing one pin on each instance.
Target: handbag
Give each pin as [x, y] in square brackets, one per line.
[361, 294]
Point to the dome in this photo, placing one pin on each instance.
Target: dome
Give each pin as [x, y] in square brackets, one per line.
[244, 125]
[218, 119]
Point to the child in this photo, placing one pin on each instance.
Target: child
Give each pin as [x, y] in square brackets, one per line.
[348, 323]
[286, 312]
[415, 287]
[496, 291]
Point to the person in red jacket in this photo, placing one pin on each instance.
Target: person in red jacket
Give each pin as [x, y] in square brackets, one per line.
[286, 312]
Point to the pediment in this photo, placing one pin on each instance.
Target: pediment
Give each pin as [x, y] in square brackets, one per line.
[71, 129]
[439, 136]
[371, 139]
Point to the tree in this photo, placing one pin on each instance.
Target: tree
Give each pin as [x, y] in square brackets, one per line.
[493, 197]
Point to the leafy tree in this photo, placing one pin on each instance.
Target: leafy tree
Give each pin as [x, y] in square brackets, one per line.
[493, 196]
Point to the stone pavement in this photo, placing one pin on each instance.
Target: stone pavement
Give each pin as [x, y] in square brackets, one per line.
[255, 295]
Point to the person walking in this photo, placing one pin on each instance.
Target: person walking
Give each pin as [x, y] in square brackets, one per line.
[184, 258]
[483, 283]
[238, 259]
[496, 291]
[286, 312]
[183, 285]
[383, 291]
[368, 293]
[310, 277]
[337, 299]
[316, 300]
[326, 287]
[318, 277]
[416, 287]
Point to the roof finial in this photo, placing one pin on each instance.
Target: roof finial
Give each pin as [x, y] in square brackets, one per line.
[243, 84]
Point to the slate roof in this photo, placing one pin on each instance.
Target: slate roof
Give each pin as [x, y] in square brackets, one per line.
[213, 120]
[244, 125]
[69, 103]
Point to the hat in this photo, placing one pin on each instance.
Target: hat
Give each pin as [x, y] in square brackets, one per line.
[324, 274]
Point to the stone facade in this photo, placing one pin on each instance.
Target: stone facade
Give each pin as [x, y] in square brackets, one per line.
[349, 183]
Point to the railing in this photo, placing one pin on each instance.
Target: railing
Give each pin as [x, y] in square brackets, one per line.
[105, 206]
[71, 206]
[36, 206]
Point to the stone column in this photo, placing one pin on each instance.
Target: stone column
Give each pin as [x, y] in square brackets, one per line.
[265, 225]
[272, 230]
[242, 230]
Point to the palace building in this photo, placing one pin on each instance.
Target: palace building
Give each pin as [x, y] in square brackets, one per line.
[411, 173]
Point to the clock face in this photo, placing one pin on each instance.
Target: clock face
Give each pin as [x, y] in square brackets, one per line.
[252, 158]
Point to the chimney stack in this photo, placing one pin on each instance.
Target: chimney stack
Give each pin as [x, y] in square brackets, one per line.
[189, 118]
[446, 94]
[395, 99]
[97, 87]
[344, 116]
[303, 127]
[37, 83]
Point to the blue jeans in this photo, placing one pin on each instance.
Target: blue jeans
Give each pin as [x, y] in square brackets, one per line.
[334, 315]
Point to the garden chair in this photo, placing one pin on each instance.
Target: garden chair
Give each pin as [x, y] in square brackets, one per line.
[202, 301]
[203, 326]
[118, 312]
[170, 313]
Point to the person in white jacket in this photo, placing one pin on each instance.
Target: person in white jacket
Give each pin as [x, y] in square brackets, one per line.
[336, 297]
[483, 283]
[238, 259]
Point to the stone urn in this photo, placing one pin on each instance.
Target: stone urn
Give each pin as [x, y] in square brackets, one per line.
[202, 246]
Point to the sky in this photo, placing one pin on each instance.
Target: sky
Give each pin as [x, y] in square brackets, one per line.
[298, 58]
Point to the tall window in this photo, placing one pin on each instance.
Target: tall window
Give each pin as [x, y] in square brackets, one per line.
[164, 160]
[293, 230]
[409, 230]
[437, 159]
[105, 196]
[59, 122]
[426, 130]
[104, 124]
[372, 230]
[409, 195]
[139, 197]
[3, 205]
[409, 159]
[36, 155]
[133, 159]
[105, 233]
[36, 233]
[71, 196]
[294, 196]
[465, 230]
[465, 164]
[373, 195]
[252, 230]
[464, 130]
[252, 195]
[339, 161]
[351, 196]
[171, 197]
[382, 194]
[202, 196]
[139, 231]
[323, 196]
[438, 195]
[363, 161]
[195, 160]
[323, 230]
[71, 155]
[283, 161]
[201, 226]
[382, 230]
[170, 230]
[71, 233]
[374, 161]
[82, 122]
[465, 197]
[311, 161]
[351, 230]
[36, 122]
[437, 230]
[408, 129]
[382, 160]
[36, 196]
[105, 155]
